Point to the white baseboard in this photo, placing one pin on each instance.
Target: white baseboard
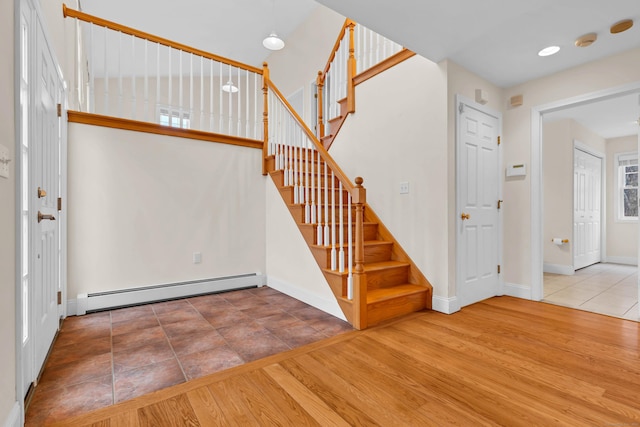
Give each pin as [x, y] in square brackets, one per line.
[320, 302]
[567, 270]
[626, 260]
[445, 305]
[518, 291]
[13, 419]
[127, 297]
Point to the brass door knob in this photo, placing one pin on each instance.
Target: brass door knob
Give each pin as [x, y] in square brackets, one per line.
[465, 216]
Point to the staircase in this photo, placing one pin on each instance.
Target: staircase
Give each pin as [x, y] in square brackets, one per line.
[394, 285]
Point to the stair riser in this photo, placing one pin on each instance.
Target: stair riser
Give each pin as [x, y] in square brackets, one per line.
[387, 277]
[389, 309]
[372, 253]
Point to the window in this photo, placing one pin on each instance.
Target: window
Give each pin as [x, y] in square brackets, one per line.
[168, 116]
[627, 191]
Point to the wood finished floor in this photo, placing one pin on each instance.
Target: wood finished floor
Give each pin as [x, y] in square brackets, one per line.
[504, 361]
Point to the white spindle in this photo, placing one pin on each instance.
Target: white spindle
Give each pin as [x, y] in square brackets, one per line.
[333, 223]
[146, 80]
[239, 125]
[230, 111]
[326, 204]
[180, 84]
[201, 126]
[92, 60]
[307, 172]
[349, 250]
[255, 106]
[120, 91]
[341, 227]
[211, 95]
[134, 105]
[106, 75]
[158, 94]
[170, 82]
[246, 116]
[220, 123]
[319, 202]
[313, 176]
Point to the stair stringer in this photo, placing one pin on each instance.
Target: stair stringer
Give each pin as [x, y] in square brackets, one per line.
[284, 241]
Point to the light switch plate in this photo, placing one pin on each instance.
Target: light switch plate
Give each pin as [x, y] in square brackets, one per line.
[4, 161]
[197, 257]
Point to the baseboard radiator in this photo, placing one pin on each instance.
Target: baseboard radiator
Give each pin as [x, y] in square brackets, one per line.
[99, 301]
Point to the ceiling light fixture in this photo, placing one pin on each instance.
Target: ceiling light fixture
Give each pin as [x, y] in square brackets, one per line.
[586, 40]
[229, 87]
[548, 51]
[273, 42]
[621, 26]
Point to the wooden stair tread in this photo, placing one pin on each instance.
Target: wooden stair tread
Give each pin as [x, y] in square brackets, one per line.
[366, 243]
[372, 267]
[383, 294]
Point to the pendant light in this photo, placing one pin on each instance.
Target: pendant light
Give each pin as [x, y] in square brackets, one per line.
[229, 87]
[273, 42]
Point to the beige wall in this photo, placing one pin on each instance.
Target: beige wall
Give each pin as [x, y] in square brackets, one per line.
[7, 217]
[622, 241]
[399, 133]
[558, 143]
[610, 72]
[141, 204]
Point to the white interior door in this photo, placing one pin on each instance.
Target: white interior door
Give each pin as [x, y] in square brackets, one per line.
[41, 140]
[587, 215]
[478, 189]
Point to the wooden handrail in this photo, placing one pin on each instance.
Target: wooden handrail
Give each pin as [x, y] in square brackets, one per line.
[72, 13]
[346, 182]
[336, 46]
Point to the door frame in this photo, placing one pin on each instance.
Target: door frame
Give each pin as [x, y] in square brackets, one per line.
[537, 196]
[36, 13]
[462, 100]
[578, 145]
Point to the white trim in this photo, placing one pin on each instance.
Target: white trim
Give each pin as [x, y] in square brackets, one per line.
[13, 419]
[517, 291]
[626, 260]
[126, 297]
[318, 301]
[460, 100]
[537, 203]
[445, 305]
[567, 270]
[617, 200]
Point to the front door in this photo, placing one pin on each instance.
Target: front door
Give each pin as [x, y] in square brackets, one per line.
[587, 192]
[41, 138]
[478, 172]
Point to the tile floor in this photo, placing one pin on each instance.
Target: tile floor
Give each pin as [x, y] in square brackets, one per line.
[108, 357]
[610, 289]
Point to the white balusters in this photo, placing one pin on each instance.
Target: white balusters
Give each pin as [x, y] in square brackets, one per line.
[134, 105]
[350, 248]
[372, 48]
[341, 228]
[333, 223]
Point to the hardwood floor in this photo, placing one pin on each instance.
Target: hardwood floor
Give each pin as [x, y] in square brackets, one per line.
[504, 361]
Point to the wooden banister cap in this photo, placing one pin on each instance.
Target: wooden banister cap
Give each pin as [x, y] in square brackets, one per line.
[359, 181]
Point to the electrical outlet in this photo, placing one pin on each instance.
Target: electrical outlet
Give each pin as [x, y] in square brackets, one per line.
[4, 161]
[404, 188]
[197, 257]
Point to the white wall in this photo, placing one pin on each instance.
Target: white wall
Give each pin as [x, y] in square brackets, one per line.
[622, 244]
[399, 133]
[558, 140]
[7, 217]
[610, 72]
[291, 267]
[141, 204]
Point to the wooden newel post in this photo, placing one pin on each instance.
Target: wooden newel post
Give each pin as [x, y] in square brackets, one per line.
[320, 85]
[265, 117]
[351, 71]
[359, 197]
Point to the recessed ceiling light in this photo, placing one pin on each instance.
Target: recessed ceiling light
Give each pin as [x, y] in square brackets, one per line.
[586, 40]
[621, 26]
[548, 51]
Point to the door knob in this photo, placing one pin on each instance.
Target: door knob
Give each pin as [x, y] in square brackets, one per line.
[41, 193]
[42, 217]
[465, 216]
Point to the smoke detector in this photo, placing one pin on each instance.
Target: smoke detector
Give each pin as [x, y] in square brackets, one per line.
[621, 26]
[586, 40]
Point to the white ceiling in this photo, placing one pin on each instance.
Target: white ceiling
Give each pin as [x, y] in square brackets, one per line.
[495, 39]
